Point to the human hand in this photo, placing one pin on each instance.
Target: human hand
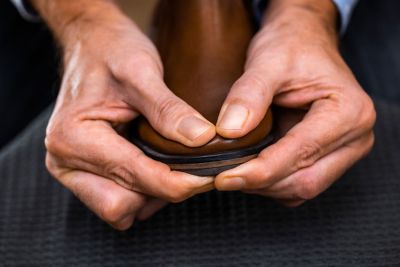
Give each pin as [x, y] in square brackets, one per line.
[294, 62]
[112, 74]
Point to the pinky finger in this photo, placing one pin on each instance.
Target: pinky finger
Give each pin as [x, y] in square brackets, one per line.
[114, 204]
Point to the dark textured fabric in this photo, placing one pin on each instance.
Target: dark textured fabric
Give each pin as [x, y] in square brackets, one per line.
[371, 47]
[354, 223]
[28, 71]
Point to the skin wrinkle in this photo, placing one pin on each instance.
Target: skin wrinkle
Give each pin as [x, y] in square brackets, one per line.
[75, 151]
[294, 57]
[286, 185]
[329, 104]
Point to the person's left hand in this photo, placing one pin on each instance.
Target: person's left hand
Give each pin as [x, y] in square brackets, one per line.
[294, 62]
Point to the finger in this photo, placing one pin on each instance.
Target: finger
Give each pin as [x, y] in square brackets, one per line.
[245, 105]
[145, 91]
[151, 207]
[169, 115]
[109, 155]
[325, 128]
[112, 203]
[307, 183]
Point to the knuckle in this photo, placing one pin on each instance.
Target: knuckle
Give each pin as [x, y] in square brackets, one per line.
[253, 81]
[362, 114]
[166, 106]
[368, 117]
[123, 176]
[142, 64]
[307, 153]
[130, 63]
[166, 110]
[258, 81]
[51, 165]
[261, 175]
[307, 188]
[113, 209]
[53, 141]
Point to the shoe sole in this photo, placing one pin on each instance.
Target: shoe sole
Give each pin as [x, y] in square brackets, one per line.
[206, 165]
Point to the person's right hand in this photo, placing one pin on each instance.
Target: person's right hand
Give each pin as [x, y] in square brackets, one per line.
[112, 73]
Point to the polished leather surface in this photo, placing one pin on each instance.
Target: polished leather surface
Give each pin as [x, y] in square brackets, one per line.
[203, 46]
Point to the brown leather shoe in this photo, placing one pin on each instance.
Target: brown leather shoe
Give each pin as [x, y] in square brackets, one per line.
[203, 46]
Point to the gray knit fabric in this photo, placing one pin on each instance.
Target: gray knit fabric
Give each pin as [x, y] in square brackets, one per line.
[354, 223]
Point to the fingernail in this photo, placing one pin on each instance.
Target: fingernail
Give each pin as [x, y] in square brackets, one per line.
[234, 117]
[231, 184]
[193, 127]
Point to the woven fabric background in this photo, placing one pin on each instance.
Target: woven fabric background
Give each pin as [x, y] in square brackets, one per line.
[354, 223]
[28, 71]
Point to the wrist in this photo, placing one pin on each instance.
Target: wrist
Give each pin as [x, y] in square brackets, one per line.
[72, 19]
[311, 16]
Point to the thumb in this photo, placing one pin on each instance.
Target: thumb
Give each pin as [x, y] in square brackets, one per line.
[174, 118]
[246, 105]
